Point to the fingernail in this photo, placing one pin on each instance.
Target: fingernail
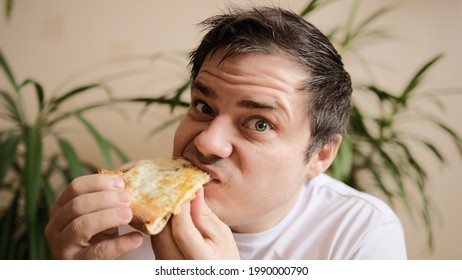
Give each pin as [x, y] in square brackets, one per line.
[123, 196]
[118, 184]
[124, 213]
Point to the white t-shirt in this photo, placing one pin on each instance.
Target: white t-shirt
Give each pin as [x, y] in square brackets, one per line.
[329, 221]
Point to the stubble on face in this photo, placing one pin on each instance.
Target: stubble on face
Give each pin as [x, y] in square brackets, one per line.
[255, 186]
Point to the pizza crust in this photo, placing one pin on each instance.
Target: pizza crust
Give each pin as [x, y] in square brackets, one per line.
[159, 188]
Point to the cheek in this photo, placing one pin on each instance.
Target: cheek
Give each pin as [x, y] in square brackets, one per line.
[273, 173]
[183, 135]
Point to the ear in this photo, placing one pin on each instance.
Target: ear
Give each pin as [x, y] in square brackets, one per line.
[321, 161]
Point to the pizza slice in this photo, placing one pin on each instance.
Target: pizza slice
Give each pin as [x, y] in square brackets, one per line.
[159, 188]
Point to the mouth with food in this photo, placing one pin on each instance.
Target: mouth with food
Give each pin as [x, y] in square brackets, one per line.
[215, 178]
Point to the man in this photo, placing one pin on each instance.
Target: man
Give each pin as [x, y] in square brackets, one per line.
[269, 107]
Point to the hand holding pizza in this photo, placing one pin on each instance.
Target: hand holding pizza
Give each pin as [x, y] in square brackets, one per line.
[195, 233]
[84, 220]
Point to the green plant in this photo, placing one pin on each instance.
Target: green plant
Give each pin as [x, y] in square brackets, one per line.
[9, 6]
[30, 171]
[379, 152]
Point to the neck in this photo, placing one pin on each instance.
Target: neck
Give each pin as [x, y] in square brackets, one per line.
[270, 219]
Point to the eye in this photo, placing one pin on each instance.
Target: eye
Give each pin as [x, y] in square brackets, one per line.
[258, 124]
[202, 108]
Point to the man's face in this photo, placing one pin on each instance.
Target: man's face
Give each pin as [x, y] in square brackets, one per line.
[248, 128]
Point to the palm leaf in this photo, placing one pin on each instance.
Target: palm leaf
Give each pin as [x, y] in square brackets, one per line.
[7, 226]
[122, 156]
[38, 90]
[6, 68]
[347, 27]
[343, 163]
[155, 100]
[49, 194]
[55, 167]
[456, 139]
[79, 111]
[377, 176]
[12, 110]
[43, 216]
[103, 144]
[382, 94]
[365, 23]
[357, 126]
[309, 8]
[165, 125]
[411, 161]
[32, 180]
[72, 159]
[394, 170]
[9, 6]
[454, 136]
[7, 154]
[426, 215]
[176, 100]
[417, 78]
[56, 102]
[434, 150]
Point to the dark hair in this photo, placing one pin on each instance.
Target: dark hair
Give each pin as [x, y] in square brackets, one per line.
[271, 30]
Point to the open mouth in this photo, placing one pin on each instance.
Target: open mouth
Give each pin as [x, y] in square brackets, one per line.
[212, 182]
[215, 177]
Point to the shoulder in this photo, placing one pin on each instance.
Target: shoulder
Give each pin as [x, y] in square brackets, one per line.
[330, 190]
[365, 226]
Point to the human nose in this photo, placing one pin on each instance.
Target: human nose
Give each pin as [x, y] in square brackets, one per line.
[215, 139]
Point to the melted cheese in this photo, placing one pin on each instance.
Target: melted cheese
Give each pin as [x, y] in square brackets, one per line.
[159, 188]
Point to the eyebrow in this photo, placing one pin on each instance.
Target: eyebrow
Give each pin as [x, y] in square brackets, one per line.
[251, 104]
[246, 103]
[208, 92]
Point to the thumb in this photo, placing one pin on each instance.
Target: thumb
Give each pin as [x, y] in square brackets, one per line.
[111, 248]
[209, 225]
[211, 238]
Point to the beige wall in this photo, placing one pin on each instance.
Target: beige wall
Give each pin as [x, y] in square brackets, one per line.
[50, 40]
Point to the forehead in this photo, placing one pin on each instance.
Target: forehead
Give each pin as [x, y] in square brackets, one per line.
[263, 71]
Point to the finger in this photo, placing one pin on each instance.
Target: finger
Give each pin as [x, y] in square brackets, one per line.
[104, 235]
[88, 203]
[83, 228]
[199, 233]
[88, 184]
[185, 234]
[112, 248]
[164, 246]
[206, 221]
